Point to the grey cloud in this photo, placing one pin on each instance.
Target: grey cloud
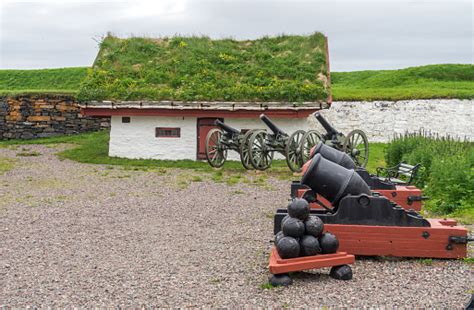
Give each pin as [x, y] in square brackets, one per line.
[362, 34]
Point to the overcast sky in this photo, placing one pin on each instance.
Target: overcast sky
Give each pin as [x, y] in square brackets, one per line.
[362, 34]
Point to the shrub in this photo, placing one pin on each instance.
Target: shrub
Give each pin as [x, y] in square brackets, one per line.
[447, 175]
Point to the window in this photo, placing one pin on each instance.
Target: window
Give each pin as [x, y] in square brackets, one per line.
[167, 132]
[126, 119]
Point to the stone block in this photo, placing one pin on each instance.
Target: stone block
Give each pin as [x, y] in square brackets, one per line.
[39, 118]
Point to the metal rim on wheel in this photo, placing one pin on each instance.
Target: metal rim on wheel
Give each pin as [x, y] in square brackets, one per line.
[310, 139]
[293, 154]
[244, 149]
[356, 146]
[260, 157]
[215, 153]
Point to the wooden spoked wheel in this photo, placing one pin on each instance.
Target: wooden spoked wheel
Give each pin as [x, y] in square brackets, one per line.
[293, 154]
[310, 139]
[215, 152]
[244, 149]
[260, 155]
[356, 146]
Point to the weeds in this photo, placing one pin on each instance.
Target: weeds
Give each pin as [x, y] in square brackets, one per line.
[447, 176]
[6, 164]
[426, 261]
[28, 154]
[267, 286]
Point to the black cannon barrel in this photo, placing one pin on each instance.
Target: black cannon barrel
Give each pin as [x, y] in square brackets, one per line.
[271, 125]
[329, 129]
[226, 127]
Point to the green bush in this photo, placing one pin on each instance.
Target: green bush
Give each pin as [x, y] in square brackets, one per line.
[447, 175]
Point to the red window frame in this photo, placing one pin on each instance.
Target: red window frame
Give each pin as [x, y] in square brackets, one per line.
[167, 132]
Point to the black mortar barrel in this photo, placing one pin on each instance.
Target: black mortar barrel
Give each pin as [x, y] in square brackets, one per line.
[226, 128]
[329, 129]
[271, 125]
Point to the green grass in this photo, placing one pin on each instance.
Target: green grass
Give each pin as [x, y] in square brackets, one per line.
[425, 82]
[44, 81]
[376, 156]
[432, 81]
[93, 148]
[282, 68]
[6, 164]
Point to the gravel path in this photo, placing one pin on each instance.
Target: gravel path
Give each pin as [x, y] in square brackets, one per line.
[88, 235]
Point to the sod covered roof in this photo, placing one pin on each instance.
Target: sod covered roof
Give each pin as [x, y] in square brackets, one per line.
[197, 69]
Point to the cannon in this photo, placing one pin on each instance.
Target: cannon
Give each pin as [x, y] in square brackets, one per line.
[355, 144]
[398, 191]
[368, 223]
[224, 138]
[263, 145]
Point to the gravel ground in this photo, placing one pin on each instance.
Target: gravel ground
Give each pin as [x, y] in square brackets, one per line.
[88, 235]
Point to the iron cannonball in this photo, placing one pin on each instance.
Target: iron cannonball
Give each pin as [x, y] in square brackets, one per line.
[293, 227]
[282, 279]
[278, 236]
[288, 247]
[313, 226]
[299, 208]
[328, 243]
[309, 246]
[283, 220]
[342, 272]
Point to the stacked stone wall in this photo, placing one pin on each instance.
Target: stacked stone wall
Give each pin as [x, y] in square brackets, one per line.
[29, 117]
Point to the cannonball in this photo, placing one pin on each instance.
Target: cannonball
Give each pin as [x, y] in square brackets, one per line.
[283, 220]
[328, 243]
[313, 226]
[288, 247]
[309, 246]
[293, 227]
[278, 236]
[299, 208]
[281, 279]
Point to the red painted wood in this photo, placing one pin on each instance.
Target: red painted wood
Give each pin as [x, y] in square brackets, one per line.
[204, 125]
[197, 113]
[278, 265]
[400, 196]
[399, 241]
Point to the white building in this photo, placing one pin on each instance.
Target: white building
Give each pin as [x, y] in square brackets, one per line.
[177, 130]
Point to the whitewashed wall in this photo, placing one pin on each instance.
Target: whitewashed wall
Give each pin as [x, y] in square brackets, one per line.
[137, 138]
[381, 120]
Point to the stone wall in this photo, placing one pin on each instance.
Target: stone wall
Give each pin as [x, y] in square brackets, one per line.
[381, 120]
[29, 117]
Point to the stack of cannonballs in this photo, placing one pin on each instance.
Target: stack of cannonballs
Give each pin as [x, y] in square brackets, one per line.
[302, 234]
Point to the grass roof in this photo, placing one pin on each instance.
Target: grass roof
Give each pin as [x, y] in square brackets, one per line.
[283, 68]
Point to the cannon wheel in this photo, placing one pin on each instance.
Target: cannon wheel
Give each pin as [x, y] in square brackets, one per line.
[293, 154]
[215, 154]
[310, 139]
[244, 149]
[259, 155]
[356, 146]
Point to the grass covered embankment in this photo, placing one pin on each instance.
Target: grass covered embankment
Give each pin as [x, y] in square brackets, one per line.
[45, 81]
[425, 82]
